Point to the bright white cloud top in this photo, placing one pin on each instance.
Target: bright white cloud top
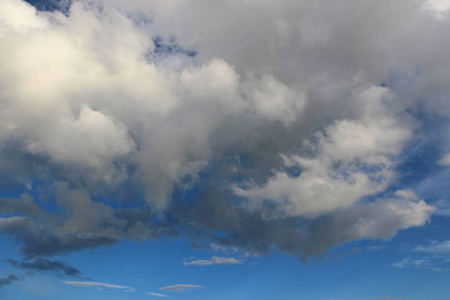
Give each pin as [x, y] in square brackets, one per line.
[253, 125]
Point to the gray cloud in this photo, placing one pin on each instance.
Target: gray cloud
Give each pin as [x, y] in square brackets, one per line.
[290, 136]
[9, 279]
[215, 260]
[46, 265]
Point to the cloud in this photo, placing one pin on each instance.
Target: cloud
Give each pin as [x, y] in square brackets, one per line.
[424, 263]
[435, 248]
[445, 161]
[181, 287]
[133, 126]
[99, 285]
[215, 260]
[9, 279]
[156, 294]
[46, 265]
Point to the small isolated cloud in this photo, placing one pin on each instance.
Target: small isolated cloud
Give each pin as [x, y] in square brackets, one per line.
[100, 285]
[181, 287]
[156, 294]
[215, 260]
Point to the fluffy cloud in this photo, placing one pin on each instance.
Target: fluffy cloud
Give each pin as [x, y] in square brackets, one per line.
[281, 127]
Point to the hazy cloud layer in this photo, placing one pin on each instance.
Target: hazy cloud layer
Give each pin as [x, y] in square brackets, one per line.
[244, 124]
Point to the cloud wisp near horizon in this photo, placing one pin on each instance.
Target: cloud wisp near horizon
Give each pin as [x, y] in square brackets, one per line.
[292, 126]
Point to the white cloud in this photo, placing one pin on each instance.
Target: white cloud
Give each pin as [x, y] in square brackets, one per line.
[156, 294]
[438, 7]
[445, 161]
[215, 260]
[417, 263]
[435, 248]
[340, 174]
[289, 107]
[99, 285]
[181, 287]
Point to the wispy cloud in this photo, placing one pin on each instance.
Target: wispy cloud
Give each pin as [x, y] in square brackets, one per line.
[182, 287]
[215, 260]
[417, 263]
[100, 285]
[156, 294]
[435, 248]
[9, 279]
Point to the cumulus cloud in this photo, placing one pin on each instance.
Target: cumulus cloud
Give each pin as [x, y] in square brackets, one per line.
[286, 129]
[215, 260]
[181, 287]
[99, 285]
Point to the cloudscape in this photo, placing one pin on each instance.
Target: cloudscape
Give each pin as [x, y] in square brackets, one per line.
[235, 149]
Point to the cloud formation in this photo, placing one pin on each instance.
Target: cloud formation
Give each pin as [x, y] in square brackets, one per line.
[45, 265]
[99, 285]
[215, 260]
[181, 287]
[435, 248]
[9, 279]
[287, 129]
[156, 294]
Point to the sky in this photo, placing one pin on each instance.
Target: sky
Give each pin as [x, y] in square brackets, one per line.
[233, 149]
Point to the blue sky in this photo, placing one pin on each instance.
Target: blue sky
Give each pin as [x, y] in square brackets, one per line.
[224, 150]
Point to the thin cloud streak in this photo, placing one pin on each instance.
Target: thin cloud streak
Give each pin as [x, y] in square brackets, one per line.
[156, 294]
[215, 260]
[99, 285]
[181, 287]
[435, 248]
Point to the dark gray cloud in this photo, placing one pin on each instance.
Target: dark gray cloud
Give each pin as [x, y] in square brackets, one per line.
[45, 265]
[9, 279]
